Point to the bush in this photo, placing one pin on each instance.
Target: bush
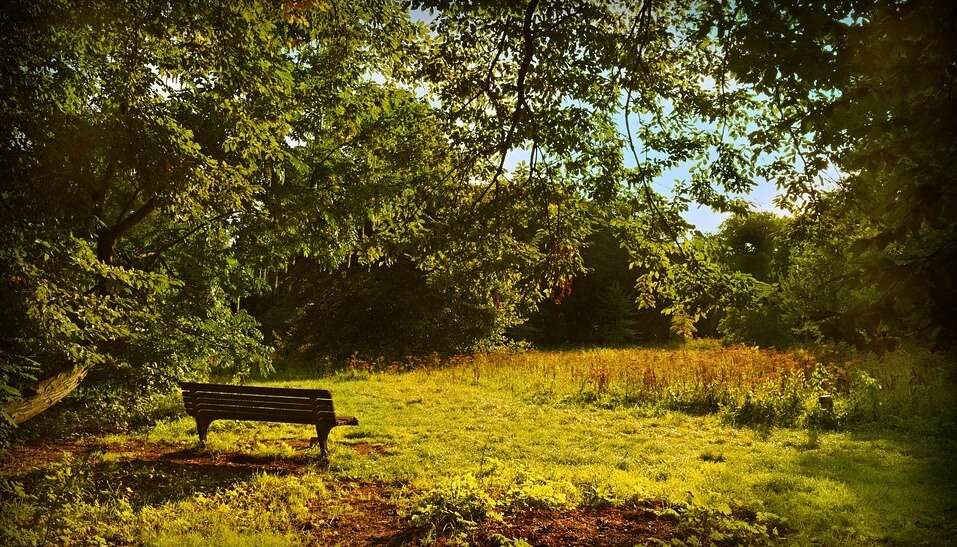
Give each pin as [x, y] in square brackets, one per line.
[601, 307]
[759, 322]
[63, 507]
[598, 496]
[384, 311]
[724, 525]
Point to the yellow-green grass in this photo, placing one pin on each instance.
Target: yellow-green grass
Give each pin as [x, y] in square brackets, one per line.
[520, 423]
[445, 421]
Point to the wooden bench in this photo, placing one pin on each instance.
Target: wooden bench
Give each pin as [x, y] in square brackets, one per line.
[208, 402]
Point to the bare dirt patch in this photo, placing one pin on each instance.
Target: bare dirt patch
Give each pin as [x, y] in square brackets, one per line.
[29, 457]
[365, 449]
[609, 526]
[366, 514]
[372, 518]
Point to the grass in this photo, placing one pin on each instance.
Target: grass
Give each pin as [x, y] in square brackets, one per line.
[484, 437]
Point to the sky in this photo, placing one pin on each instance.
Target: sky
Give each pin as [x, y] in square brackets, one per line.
[708, 220]
[703, 218]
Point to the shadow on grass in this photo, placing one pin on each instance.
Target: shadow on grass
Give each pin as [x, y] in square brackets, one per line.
[902, 481]
[162, 481]
[155, 474]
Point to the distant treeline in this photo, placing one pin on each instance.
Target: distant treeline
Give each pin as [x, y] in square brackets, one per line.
[797, 292]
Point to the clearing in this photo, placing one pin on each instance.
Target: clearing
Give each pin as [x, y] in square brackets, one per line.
[489, 451]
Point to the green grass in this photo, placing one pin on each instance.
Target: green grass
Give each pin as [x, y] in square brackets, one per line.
[522, 431]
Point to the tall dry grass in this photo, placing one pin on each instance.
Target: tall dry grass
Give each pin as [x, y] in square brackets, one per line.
[747, 385]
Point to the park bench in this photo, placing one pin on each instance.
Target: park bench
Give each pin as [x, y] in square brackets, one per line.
[208, 402]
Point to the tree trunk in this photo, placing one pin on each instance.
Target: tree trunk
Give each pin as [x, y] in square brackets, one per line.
[47, 393]
[54, 389]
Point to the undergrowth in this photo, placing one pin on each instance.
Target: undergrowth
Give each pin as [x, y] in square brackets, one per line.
[745, 385]
[70, 505]
[460, 504]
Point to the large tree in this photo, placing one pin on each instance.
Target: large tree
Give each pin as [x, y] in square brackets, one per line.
[865, 90]
[140, 140]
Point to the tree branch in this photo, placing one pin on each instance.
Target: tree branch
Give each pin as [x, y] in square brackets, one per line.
[521, 104]
[644, 15]
[106, 243]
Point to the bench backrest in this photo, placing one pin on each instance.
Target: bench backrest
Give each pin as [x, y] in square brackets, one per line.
[290, 405]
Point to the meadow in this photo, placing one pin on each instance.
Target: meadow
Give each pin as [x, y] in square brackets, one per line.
[700, 444]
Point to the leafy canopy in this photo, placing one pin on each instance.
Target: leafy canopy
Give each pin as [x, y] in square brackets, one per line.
[167, 161]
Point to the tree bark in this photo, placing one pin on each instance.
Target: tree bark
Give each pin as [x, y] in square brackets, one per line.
[106, 244]
[45, 394]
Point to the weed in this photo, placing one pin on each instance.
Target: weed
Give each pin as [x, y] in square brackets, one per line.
[709, 456]
[598, 495]
[540, 494]
[456, 505]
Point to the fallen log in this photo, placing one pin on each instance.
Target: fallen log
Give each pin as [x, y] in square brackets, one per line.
[45, 394]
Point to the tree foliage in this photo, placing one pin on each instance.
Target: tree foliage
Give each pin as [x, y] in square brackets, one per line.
[166, 162]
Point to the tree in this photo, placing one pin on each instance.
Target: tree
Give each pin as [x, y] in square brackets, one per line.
[755, 244]
[599, 306]
[138, 140]
[868, 88]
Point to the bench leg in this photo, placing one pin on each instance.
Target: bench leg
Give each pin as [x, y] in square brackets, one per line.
[322, 434]
[202, 427]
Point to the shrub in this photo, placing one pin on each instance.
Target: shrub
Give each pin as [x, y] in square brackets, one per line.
[863, 401]
[724, 525]
[598, 495]
[63, 507]
[759, 322]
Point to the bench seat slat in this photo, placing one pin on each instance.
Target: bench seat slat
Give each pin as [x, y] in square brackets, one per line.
[322, 404]
[288, 406]
[264, 417]
[283, 418]
[278, 408]
[280, 414]
[195, 387]
[219, 407]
